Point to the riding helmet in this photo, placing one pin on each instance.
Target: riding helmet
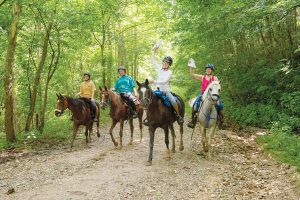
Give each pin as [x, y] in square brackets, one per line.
[88, 74]
[168, 59]
[121, 68]
[211, 66]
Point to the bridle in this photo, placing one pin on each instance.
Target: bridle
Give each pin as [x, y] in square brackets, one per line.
[146, 99]
[64, 104]
[104, 94]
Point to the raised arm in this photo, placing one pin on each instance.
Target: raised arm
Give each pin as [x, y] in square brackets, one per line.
[195, 76]
[154, 62]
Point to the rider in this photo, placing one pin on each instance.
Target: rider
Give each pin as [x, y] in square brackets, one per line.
[206, 79]
[125, 86]
[87, 90]
[163, 80]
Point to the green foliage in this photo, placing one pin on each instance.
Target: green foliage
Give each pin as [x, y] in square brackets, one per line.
[282, 144]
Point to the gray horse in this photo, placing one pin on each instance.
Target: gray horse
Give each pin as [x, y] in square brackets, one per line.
[208, 116]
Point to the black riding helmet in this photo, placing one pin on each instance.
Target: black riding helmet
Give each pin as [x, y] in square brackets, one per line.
[168, 59]
[121, 68]
[88, 74]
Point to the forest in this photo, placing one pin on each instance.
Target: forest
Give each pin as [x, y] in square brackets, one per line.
[47, 46]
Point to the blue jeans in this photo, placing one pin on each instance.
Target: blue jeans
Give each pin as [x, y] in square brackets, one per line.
[198, 100]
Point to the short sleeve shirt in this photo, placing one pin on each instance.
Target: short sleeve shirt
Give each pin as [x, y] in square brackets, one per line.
[124, 84]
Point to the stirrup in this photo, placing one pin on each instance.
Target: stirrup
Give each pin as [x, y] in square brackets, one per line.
[145, 122]
[180, 120]
[191, 124]
[134, 115]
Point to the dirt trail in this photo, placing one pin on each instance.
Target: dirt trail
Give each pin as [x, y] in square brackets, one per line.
[237, 171]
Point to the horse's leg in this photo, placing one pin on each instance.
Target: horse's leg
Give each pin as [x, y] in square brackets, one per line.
[90, 132]
[173, 137]
[211, 133]
[86, 134]
[110, 132]
[140, 115]
[203, 137]
[75, 129]
[98, 121]
[121, 133]
[131, 131]
[151, 143]
[166, 130]
[181, 147]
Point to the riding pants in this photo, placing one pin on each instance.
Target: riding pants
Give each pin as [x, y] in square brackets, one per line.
[198, 100]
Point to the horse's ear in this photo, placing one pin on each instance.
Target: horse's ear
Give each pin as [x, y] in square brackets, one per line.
[57, 95]
[105, 88]
[138, 83]
[147, 82]
[100, 88]
[60, 95]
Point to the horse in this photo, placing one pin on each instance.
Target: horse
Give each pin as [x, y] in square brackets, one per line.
[118, 113]
[81, 111]
[159, 115]
[208, 116]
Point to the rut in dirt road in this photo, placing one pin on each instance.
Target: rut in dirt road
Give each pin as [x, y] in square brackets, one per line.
[238, 170]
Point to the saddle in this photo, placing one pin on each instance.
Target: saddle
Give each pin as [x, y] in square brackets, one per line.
[164, 98]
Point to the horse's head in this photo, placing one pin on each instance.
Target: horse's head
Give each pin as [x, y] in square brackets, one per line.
[213, 91]
[104, 95]
[145, 93]
[61, 105]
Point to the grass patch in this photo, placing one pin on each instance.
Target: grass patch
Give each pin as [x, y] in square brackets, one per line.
[283, 145]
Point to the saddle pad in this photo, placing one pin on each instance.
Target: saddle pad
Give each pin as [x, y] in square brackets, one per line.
[164, 98]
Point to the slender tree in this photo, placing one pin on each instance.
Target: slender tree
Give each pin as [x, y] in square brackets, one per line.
[9, 101]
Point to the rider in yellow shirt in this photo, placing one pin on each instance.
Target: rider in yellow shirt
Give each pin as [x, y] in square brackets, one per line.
[87, 90]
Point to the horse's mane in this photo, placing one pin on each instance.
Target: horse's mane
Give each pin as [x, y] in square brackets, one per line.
[79, 103]
[213, 83]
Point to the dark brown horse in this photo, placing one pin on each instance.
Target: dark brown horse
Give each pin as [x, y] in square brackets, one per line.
[159, 115]
[81, 111]
[118, 113]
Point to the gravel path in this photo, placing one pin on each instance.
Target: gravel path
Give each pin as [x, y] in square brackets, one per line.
[238, 170]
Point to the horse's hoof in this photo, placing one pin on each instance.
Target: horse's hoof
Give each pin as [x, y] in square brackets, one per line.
[148, 163]
[130, 143]
[98, 134]
[181, 148]
[173, 151]
[116, 144]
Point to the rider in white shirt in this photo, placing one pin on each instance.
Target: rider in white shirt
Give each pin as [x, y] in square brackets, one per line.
[163, 80]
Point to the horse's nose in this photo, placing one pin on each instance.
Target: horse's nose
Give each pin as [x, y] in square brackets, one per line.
[215, 97]
[57, 113]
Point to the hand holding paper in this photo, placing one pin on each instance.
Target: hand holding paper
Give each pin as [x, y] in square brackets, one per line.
[191, 63]
[157, 45]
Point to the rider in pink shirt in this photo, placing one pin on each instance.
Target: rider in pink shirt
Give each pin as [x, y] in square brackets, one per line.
[206, 79]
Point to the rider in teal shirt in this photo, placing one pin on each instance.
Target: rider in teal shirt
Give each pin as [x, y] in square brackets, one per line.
[125, 86]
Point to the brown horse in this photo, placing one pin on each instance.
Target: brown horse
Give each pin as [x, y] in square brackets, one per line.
[159, 115]
[81, 111]
[118, 113]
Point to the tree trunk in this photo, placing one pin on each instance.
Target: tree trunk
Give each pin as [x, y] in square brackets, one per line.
[51, 70]
[8, 84]
[37, 79]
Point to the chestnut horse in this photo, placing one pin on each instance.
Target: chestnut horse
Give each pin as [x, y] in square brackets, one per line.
[208, 116]
[118, 113]
[158, 115]
[81, 111]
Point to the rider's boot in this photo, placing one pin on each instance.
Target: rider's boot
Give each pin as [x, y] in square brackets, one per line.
[180, 120]
[193, 122]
